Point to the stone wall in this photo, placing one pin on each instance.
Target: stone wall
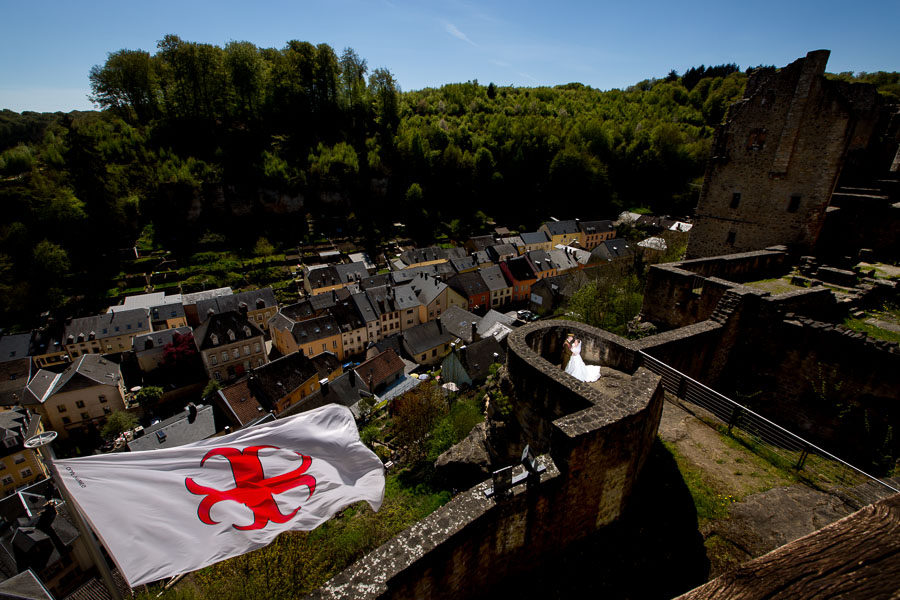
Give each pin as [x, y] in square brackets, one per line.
[776, 159]
[598, 438]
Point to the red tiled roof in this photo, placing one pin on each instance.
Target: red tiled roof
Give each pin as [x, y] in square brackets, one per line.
[380, 368]
[241, 402]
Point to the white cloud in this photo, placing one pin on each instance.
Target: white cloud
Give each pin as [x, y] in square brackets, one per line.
[452, 30]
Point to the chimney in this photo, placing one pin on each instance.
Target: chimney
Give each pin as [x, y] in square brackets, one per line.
[474, 330]
[242, 308]
[439, 326]
[192, 412]
[353, 379]
[323, 385]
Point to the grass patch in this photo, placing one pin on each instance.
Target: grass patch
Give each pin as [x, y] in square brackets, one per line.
[711, 503]
[860, 326]
[777, 285]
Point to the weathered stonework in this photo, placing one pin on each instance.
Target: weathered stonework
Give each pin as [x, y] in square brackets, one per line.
[776, 160]
[597, 438]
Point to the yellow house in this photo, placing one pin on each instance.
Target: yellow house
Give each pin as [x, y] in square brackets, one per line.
[286, 381]
[104, 334]
[19, 466]
[596, 232]
[311, 337]
[563, 232]
[83, 395]
[230, 346]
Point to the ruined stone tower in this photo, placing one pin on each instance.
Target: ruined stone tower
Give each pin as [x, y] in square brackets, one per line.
[777, 158]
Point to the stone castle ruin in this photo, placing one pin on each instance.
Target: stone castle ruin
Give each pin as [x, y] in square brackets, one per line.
[777, 158]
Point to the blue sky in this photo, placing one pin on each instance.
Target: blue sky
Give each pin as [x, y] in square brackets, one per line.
[48, 47]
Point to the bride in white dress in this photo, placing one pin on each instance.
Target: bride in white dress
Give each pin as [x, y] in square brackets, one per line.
[576, 366]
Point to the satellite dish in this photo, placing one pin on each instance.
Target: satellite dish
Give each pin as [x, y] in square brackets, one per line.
[41, 439]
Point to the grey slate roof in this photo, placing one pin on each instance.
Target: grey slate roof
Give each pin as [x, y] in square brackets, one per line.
[219, 325]
[428, 288]
[158, 339]
[481, 257]
[534, 237]
[106, 325]
[459, 322]
[541, 260]
[520, 268]
[478, 357]
[494, 278]
[426, 336]
[24, 586]
[468, 284]
[195, 297]
[167, 311]
[561, 227]
[314, 329]
[280, 377]
[177, 430]
[407, 275]
[463, 264]
[374, 281]
[500, 251]
[87, 370]
[591, 227]
[612, 249]
[299, 311]
[490, 319]
[346, 315]
[405, 297]
[346, 390]
[14, 376]
[14, 347]
[253, 299]
[350, 272]
[364, 307]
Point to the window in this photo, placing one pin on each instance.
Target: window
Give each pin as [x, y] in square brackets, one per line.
[434, 353]
[7, 480]
[19, 459]
[85, 416]
[730, 239]
[2, 465]
[259, 362]
[61, 408]
[107, 410]
[66, 420]
[102, 399]
[323, 347]
[26, 472]
[735, 199]
[246, 349]
[235, 353]
[334, 343]
[795, 203]
[213, 360]
[424, 356]
[256, 347]
[224, 355]
[79, 404]
[217, 375]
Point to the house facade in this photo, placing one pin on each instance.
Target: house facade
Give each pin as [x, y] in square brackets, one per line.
[229, 345]
[83, 395]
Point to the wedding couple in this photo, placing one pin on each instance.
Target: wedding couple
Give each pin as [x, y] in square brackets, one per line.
[576, 367]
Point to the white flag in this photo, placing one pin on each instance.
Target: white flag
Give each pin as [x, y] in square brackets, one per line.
[170, 511]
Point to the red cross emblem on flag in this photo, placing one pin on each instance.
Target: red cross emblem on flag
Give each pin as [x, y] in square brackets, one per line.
[251, 487]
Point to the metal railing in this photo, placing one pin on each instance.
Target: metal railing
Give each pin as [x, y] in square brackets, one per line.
[809, 463]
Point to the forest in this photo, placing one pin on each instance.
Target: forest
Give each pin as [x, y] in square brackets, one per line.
[198, 145]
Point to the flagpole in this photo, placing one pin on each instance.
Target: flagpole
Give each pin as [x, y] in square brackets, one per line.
[42, 442]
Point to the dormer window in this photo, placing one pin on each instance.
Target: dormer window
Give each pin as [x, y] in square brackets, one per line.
[214, 339]
[231, 335]
[246, 331]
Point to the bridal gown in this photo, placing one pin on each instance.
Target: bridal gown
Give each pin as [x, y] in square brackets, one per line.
[578, 369]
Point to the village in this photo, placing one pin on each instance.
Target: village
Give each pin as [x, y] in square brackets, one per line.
[763, 293]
